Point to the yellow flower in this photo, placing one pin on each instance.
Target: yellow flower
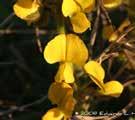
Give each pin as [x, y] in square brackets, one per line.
[27, 10]
[59, 92]
[97, 74]
[76, 13]
[112, 88]
[53, 114]
[68, 50]
[79, 22]
[62, 95]
[112, 3]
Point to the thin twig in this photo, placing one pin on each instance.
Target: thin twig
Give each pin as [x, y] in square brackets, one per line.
[7, 20]
[96, 24]
[125, 33]
[22, 31]
[113, 44]
[120, 71]
[129, 82]
[23, 107]
[38, 39]
[104, 15]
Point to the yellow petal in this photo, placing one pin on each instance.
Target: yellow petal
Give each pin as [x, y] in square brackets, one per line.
[112, 3]
[77, 52]
[28, 11]
[68, 106]
[59, 92]
[55, 50]
[86, 5]
[69, 11]
[112, 88]
[96, 72]
[65, 73]
[80, 22]
[114, 36]
[69, 73]
[53, 114]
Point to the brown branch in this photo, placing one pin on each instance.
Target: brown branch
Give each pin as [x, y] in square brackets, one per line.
[129, 82]
[5, 21]
[113, 44]
[96, 24]
[22, 31]
[37, 30]
[23, 107]
[120, 71]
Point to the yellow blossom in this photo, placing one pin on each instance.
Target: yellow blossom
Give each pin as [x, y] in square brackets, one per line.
[59, 92]
[112, 3]
[62, 95]
[78, 24]
[97, 74]
[112, 88]
[27, 10]
[65, 72]
[54, 114]
[76, 13]
[68, 50]
[61, 113]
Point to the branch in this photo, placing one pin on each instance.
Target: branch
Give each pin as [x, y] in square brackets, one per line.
[37, 30]
[96, 24]
[113, 44]
[22, 108]
[129, 82]
[5, 21]
[22, 31]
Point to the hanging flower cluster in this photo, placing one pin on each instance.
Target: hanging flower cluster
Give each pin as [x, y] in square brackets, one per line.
[76, 13]
[69, 50]
[60, 94]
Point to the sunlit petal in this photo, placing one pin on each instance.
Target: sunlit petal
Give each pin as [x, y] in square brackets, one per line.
[86, 5]
[69, 11]
[55, 50]
[80, 22]
[96, 72]
[112, 88]
[112, 3]
[53, 114]
[77, 52]
[27, 10]
[65, 73]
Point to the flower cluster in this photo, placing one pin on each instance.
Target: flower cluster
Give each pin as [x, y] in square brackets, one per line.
[71, 53]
